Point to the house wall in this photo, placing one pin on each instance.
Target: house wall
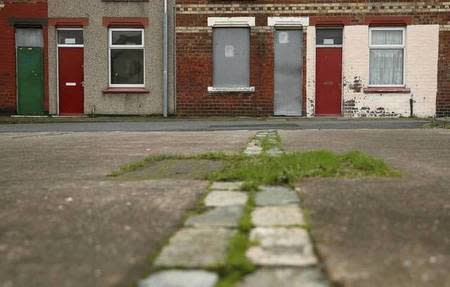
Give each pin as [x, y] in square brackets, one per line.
[420, 74]
[311, 71]
[96, 71]
[194, 56]
[14, 12]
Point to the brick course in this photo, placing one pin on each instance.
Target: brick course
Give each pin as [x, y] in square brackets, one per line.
[194, 47]
[17, 9]
[443, 96]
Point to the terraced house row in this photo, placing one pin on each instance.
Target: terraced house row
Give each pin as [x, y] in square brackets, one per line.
[216, 57]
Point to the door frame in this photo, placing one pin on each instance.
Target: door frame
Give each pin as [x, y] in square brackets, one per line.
[342, 67]
[16, 27]
[291, 23]
[58, 46]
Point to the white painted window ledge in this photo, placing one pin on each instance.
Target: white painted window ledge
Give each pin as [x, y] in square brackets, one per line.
[231, 21]
[231, 89]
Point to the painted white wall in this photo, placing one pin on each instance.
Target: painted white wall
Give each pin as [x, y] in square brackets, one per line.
[421, 74]
[422, 67]
[310, 70]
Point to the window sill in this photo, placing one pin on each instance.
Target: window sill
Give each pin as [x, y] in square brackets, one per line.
[110, 90]
[213, 90]
[387, 90]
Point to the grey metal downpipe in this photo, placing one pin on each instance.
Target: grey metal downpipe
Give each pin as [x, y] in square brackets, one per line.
[166, 60]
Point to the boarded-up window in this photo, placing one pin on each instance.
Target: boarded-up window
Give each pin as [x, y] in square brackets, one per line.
[231, 57]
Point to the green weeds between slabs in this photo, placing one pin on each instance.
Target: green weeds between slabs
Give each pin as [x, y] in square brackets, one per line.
[285, 169]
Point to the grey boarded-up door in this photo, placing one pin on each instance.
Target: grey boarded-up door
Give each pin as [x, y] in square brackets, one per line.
[288, 72]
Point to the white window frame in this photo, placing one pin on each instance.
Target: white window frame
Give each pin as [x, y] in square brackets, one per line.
[125, 47]
[390, 46]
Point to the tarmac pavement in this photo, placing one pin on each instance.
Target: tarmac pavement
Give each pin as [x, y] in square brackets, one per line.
[382, 231]
[63, 223]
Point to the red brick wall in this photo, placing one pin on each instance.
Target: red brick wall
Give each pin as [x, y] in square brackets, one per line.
[194, 75]
[19, 9]
[443, 96]
[194, 50]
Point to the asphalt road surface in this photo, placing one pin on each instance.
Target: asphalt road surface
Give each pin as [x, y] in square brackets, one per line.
[208, 124]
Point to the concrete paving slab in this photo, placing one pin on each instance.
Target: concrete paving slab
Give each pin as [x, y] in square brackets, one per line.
[280, 236]
[276, 196]
[285, 277]
[286, 215]
[281, 256]
[278, 246]
[181, 278]
[225, 216]
[220, 185]
[225, 198]
[196, 248]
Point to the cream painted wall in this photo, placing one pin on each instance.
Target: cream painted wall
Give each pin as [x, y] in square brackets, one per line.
[422, 43]
[310, 70]
[422, 67]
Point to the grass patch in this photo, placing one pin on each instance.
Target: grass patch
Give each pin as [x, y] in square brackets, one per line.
[285, 169]
[288, 169]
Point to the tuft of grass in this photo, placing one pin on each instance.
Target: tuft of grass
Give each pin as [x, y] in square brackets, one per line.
[285, 169]
[288, 169]
[245, 222]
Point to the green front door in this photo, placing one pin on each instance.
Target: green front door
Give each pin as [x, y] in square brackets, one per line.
[30, 81]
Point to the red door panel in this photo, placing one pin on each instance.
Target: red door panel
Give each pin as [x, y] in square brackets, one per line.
[328, 81]
[71, 77]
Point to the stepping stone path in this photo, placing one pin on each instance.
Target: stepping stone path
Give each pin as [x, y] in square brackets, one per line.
[255, 147]
[283, 251]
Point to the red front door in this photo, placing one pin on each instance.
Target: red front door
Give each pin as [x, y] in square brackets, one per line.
[71, 77]
[328, 81]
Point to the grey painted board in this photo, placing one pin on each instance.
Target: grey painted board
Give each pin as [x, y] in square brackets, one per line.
[288, 72]
[231, 57]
